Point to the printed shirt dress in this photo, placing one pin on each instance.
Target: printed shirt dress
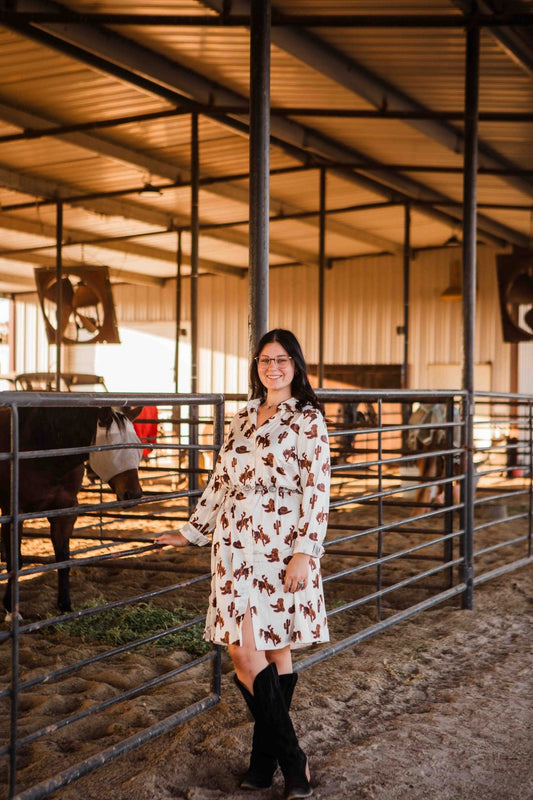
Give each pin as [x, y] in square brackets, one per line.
[268, 497]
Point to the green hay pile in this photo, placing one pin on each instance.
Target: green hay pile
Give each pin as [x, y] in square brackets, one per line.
[120, 626]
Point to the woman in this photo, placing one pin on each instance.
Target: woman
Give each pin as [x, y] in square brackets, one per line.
[267, 507]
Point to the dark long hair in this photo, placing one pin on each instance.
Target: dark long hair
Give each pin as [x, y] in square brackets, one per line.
[301, 388]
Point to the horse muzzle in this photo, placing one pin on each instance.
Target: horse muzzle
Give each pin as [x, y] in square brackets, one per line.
[126, 485]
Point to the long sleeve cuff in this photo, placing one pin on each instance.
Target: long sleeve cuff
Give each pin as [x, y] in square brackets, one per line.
[309, 548]
[193, 535]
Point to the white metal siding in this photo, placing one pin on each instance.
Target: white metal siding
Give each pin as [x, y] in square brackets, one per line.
[363, 308]
[32, 353]
[525, 368]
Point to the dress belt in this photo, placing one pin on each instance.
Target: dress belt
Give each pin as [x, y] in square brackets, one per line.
[260, 488]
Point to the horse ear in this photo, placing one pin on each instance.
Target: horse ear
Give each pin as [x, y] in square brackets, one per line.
[105, 416]
[132, 412]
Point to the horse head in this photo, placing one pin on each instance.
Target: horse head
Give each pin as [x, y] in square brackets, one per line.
[118, 466]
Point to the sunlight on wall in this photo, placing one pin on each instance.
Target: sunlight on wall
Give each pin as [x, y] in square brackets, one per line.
[4, 346]
[149, 363]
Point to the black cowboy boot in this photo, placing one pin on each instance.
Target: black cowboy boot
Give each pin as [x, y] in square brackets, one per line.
[273, 716]
[263, 759]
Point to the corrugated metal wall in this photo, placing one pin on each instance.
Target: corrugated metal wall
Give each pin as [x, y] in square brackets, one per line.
[32, 353]
[436, 325]
[363, 309]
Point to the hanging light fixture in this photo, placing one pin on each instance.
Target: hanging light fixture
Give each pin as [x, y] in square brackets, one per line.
[453, 241]
[149, 190]
[455, 288]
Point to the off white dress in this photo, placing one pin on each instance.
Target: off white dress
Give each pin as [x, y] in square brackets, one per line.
[268, 497]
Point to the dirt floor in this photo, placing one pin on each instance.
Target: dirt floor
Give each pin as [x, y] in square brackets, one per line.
[439, 707]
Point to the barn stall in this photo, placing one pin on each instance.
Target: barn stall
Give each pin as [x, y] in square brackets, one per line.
[75, 201]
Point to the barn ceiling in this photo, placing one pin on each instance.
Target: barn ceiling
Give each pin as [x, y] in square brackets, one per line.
[97, 100]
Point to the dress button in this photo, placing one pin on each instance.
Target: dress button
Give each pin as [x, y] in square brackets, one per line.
[271, 488]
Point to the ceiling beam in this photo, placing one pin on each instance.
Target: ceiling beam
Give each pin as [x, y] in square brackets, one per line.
[37, 187]
[181, 176]
[95, 143]
[85, 41]
[518, 42]
[236, 19]
[347, 72]
[99, 144]
[323, 58]
[55, 130]
[75, 238]
[111, 53]
[12, 279]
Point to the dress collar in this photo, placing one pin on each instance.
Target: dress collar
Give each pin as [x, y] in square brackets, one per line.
[285, 405]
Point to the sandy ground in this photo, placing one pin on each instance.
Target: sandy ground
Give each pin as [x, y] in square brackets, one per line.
[439, 707]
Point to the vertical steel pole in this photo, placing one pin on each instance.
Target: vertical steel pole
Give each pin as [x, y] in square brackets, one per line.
[406, 281]
[15, 568]
[321, 274]
[530, 466]
[59, 289]
[260, 22]
[195, 233]
[379, 553]
[178, 314]
[469, 294]
[12, 334]
[406, 407]
[448, 516]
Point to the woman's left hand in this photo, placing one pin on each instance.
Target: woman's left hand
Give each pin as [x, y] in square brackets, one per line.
[297, 575]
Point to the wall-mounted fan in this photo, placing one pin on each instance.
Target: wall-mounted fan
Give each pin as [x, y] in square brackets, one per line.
[515, 279]
[87, 313]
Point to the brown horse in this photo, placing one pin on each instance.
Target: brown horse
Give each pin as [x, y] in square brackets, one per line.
[50, 483]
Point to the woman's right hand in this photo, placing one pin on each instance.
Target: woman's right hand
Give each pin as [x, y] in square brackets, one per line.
[173, 539]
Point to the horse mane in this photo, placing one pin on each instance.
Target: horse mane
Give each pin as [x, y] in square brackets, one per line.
[108, 415]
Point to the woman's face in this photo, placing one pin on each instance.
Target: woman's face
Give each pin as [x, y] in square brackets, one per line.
[275, 368]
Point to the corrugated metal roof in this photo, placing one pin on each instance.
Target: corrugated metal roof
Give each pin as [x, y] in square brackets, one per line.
[92, 111]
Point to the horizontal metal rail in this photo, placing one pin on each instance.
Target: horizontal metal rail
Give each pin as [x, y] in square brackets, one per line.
[110, 754]
[91, 556]
[379, 627]
[411, 523]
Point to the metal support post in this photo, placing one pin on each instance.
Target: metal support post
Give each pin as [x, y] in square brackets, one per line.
[406, 282]
[15, 568]
[59, 289]
[321, 274]
[178, 314]
[260, 22]
[530, 468]
[406, 407]
[195, 233]
[469, 296]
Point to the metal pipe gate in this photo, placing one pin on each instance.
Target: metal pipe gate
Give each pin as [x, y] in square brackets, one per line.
[396, 540]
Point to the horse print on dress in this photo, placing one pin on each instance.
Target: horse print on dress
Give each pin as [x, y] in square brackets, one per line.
[50, 483]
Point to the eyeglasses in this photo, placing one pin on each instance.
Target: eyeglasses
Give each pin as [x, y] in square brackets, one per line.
[279, 361]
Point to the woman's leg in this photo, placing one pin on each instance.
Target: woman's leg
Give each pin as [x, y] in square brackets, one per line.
[282, 659]
[248, 663]
[247, 660]
[268, 698]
